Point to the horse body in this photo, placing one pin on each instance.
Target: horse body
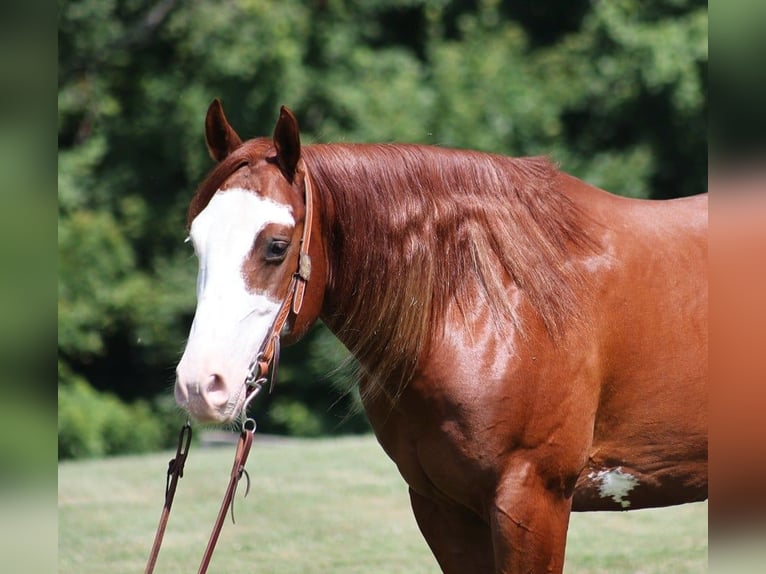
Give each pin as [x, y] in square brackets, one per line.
[651, 420]
[498, 431]
[511, 380]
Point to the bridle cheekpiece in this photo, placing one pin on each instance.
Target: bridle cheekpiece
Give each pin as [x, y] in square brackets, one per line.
[263, 368]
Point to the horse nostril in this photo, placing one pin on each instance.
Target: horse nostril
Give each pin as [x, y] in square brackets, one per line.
[215, 392]
[216, 384]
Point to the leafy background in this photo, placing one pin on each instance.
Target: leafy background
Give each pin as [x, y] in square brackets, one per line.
[614, 91]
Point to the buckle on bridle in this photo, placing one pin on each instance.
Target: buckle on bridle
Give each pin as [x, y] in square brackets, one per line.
[256, 372]
[304, 266]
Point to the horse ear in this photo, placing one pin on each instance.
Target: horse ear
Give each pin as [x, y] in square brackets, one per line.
[220, 136]
[287, 141]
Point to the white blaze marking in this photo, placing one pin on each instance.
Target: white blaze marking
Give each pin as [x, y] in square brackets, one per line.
[615, 484]
[230, 321]
[224, 232]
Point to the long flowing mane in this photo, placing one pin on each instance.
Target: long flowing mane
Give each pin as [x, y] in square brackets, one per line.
[426, 227]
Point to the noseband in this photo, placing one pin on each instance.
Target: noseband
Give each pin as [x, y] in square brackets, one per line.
[262, 370]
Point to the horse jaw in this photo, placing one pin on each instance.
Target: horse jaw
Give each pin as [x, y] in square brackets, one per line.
[231, 320]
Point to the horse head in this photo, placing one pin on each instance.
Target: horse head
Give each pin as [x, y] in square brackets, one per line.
[250, 227]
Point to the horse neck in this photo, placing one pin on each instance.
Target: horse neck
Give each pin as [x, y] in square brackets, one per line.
[364, 227]
[411, 230]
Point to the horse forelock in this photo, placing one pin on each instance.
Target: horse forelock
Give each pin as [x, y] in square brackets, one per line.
[248, 153]
[418, 228]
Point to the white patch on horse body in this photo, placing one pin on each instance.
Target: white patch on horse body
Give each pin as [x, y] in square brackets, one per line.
[230, 321]
[615, 484]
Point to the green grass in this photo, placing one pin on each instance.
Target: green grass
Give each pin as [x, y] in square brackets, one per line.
[315, 506]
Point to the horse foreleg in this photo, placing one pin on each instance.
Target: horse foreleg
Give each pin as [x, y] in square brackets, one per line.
[529, 524]
[459, 540]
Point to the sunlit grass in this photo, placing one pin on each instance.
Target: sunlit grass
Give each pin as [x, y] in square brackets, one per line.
[315, 506]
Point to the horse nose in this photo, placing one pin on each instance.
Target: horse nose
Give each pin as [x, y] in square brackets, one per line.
[202, 394]
[215, 392]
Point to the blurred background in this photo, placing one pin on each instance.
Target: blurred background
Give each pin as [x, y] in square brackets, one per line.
[614, 92]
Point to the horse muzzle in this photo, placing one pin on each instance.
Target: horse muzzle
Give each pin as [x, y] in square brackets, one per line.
[206, 397]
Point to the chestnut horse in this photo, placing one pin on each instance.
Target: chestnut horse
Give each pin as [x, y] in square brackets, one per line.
[528, 344]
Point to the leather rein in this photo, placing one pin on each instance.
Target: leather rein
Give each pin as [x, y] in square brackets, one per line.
[263, 370]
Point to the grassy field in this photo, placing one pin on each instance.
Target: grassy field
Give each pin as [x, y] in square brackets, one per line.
[315, 506]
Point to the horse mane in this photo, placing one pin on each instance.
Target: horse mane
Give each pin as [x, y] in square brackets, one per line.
[426, 227]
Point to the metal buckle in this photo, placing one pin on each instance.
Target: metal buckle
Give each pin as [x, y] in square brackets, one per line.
[255, 388]
[252, 370]
[304, 266]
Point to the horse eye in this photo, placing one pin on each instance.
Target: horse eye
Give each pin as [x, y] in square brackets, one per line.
[276, 250]
[189, 241]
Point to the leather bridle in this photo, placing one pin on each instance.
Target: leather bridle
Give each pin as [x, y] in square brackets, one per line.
[262, 370]
[267, 359]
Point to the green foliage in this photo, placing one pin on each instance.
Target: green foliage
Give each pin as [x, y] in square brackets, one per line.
[316, 394]
[614, 91]
[93, 424]
[295, 418]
